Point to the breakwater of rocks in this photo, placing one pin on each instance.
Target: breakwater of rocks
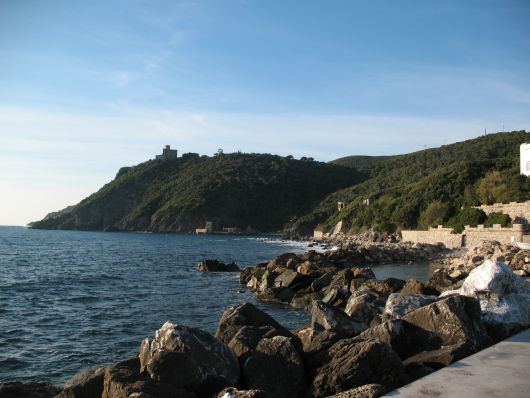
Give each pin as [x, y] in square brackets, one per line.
[365, 336]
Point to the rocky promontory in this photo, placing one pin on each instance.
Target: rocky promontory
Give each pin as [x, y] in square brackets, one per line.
[340, 277]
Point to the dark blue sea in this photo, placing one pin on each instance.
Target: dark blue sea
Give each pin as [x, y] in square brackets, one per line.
[71, 300]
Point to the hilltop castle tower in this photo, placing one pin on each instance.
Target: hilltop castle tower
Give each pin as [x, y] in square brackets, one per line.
[168, 154]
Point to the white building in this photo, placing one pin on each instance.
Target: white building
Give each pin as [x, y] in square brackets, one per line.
[525, 159]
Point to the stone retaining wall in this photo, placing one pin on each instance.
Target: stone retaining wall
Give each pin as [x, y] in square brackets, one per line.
[472, 236]
[518, 212]
[475, 236]
[434, 236]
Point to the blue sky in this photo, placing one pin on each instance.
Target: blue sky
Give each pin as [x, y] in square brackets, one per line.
[87, 87]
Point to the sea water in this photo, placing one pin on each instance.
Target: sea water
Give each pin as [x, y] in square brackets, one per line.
[71, 299]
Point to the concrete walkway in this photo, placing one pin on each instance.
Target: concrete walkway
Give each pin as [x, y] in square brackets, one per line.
[502, 370]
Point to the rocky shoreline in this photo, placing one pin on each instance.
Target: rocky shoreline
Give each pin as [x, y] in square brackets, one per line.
[366, 336]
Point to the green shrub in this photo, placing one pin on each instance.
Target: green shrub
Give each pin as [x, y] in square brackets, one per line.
[498, 218]
[434, 214]
[467, 216]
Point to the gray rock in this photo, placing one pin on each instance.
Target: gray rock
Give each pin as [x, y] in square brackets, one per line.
[351, 364]
[326, 317]
[386, 286]
[437, 359]
[405, 338]
[184, 356]
[245, 314]
[275, 295]
[366, 391]
[124, 380]
[504, 297]
[322, 282]
[305, 299]
[413, 286]
[288, 278]
[365, 307]
[217, 266]
[86, 384]
[247, 339]
[455, 320]
[275, 367]
[232, 392]
[314, 342]
[27, 390]
[399, 304]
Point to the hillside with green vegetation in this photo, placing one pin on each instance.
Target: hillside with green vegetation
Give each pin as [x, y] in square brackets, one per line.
[263, 192]
[270, 193]
[426, 187]
[360, 161]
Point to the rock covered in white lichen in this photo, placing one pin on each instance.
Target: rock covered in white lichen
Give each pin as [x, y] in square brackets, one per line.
[186, 356]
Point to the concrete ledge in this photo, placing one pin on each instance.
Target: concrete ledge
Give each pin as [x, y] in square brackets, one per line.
[502, 370]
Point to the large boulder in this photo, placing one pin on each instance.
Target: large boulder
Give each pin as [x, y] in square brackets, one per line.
[366, 307]
[443, 279]
[351, 364]
[124, 380]
[327, 317]
[399, 304]
[341, 281]
[384, 287]
[261, 279]
[455, 320]
[405, 338]
[248, 337]
[276, 367]
[288, 278]
[283, 260]
[247, 273]
[217, 266]
[275, 295]
[322, 281]
[366, 391]
[493, 277]
[185, 356]
[86, 384]
[27, 390]
[245, 314]
[413, 286]
[304, 299]
[504, 298]
[314, 342]
[438, 358]
[232, 392]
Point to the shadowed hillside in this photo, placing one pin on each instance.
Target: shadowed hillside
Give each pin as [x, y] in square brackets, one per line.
[238, 190]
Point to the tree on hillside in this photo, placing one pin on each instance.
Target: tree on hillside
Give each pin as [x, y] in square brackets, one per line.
[492, 188]
[467, 216]
[470, 197]
[435, 214]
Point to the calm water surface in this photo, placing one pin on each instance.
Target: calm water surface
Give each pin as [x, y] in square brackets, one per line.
[70, 299]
